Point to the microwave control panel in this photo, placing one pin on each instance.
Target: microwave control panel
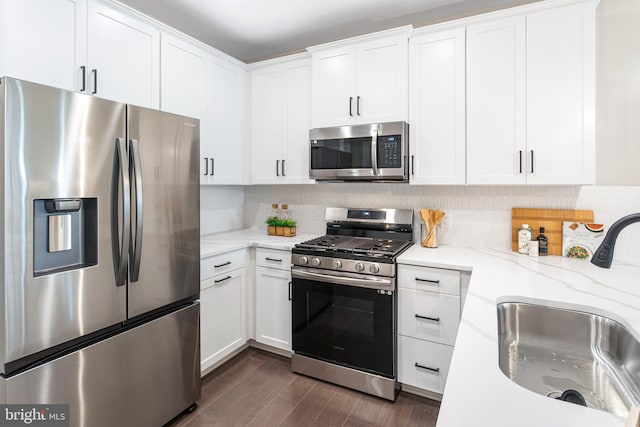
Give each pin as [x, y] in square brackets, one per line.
[390, 151]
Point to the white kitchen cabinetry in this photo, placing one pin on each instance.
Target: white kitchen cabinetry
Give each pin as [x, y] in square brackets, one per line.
[437, 107]
[273, 298]
[361, 80]
[561, 95]
[223, 307]
[183, 88]
[530, 98]
[496, 148]
[280, 122]
[44, 41]
[224, 148]
[429, 314]
[123, 57]
[80, 45]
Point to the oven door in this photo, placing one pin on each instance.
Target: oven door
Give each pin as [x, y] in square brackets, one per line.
[349, 325]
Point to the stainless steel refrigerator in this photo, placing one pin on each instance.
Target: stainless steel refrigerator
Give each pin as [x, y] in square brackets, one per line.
[100, 257]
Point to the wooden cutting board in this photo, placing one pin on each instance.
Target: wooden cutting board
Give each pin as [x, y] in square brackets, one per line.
[550, 219]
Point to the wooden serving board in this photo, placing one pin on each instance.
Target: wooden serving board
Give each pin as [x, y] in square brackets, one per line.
[550, 219]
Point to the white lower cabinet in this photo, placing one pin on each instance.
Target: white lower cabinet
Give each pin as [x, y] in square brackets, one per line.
[429, 315]
[222, 307]
[273, 298]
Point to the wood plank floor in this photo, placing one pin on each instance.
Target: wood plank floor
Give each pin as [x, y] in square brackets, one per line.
[257, 388]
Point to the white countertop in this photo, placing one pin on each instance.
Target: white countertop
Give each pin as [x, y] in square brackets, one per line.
[477, 393]
[214, 244]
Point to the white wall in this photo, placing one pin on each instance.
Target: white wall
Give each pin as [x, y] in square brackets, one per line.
[221, 209]
[477, 216]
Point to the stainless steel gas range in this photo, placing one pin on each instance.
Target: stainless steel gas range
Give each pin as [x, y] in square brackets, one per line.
[344, 299]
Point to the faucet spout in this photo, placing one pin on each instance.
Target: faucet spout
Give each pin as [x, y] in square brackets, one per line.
[604, 254]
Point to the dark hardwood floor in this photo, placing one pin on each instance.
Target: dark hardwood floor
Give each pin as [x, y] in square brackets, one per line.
[257, 388]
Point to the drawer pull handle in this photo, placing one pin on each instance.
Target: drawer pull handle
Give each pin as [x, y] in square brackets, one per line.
[417, 365]
[273, 259]
[222, 265]
[223, 279]
[427, 280]
[435, 319]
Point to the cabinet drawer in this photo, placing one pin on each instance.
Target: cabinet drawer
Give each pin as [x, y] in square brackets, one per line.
[428, 315]
[423, 364]
[221, 279]
[429, 279]
[273, 258]
[218, 264]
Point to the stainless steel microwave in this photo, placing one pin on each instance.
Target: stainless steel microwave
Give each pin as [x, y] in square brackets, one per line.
[373, 152]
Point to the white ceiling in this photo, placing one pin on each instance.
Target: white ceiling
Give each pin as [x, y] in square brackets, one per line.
[256, 29]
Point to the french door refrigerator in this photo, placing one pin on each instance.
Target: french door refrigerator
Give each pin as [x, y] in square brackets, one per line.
[100, 257]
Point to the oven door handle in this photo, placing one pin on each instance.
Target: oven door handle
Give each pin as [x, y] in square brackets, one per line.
[373, 282]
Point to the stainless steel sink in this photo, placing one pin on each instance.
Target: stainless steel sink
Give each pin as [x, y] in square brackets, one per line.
[550, 350]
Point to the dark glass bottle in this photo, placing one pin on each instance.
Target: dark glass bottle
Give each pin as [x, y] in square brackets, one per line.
[542, 243]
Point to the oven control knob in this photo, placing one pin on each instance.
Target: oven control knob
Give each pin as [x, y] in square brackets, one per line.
[315, 261]
[359, 266]
[374, 268]
[337, 264]
[303, 260]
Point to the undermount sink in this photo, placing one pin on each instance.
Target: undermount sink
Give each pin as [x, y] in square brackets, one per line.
[552, 351]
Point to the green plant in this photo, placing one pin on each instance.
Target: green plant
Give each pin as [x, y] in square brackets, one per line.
[289, 222]
[274, 221]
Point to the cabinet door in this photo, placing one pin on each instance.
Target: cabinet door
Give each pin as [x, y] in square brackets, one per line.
[333, 87]
[266, 124]
[296, 81]
[226, 119]
[495, 102]
[382, 80]
[124, 57]
[222, 317]
[183, 87]
[560, 95]
[273, 307]
[437, 79]
[44, 41]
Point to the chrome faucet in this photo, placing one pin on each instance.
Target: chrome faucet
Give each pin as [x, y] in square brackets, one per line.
[604, 254]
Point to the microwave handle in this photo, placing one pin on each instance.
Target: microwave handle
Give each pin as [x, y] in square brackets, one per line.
[374, 152]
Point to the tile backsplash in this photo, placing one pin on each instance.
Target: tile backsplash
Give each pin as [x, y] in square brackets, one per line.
[477, 216]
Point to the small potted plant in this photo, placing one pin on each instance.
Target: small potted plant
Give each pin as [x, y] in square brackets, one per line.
[272, 223]
[281, 227]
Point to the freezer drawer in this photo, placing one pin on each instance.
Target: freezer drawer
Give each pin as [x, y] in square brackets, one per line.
[142, 377]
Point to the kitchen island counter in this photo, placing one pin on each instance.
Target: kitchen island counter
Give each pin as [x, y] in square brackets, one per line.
[477, 393]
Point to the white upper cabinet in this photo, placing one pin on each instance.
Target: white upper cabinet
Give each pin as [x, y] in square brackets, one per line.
[437, 107]
[280, 122]
[360, 81]
[561, 95]
[123, 57]
[44, 41]
[531, 98]
[496, 102]
[226, 119]
[85, 46]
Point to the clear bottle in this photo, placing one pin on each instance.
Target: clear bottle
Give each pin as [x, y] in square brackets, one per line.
[524, 237]
[285, 212]
[274, 211]
[543, 243]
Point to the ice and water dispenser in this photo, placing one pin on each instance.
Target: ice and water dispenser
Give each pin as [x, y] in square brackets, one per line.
[65, 234]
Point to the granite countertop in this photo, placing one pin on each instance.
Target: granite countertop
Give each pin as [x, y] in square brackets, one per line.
[214, 244]
[477, 393]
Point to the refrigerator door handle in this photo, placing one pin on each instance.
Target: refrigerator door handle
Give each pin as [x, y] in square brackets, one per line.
[135, 250]
[121, 171]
